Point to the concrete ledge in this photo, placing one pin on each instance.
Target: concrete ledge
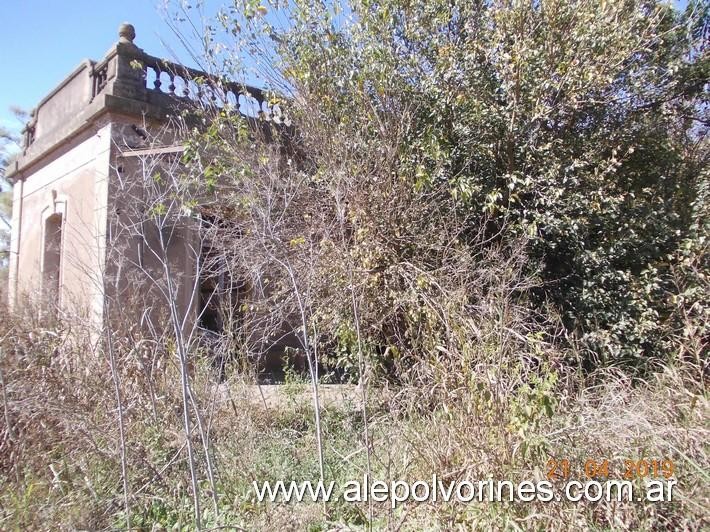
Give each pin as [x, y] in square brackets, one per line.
[63, 133]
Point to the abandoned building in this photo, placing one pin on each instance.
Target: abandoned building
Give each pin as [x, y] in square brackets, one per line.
[82, 137]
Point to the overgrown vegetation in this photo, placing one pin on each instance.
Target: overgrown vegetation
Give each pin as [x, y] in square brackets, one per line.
[490, 217]
[581, 127]
[62, 467]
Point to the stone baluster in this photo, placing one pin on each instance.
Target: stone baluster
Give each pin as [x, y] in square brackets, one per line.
[171, 87]
[157, 83]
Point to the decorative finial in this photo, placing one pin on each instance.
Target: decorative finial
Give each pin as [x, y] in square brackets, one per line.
[126, 33]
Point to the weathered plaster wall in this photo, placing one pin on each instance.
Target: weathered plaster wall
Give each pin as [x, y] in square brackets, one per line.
[137, 257]
[71, 180]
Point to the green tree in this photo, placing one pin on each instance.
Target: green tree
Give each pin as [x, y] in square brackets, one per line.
[579, 125]
[9, 143]
[6, 141]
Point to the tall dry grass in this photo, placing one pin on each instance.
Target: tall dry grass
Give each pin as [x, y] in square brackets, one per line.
[501, 416]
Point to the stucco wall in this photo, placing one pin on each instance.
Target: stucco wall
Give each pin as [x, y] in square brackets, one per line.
[136, 259]
[65, 102]
[73, 181]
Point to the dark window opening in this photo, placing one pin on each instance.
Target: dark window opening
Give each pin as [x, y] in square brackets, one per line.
[221, 292]
[52, 257]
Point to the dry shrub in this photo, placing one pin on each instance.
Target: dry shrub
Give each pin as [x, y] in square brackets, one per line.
[500, 404]
[59, 442]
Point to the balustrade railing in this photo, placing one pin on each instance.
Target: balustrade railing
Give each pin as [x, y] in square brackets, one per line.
[128, 72]
[99, 78]
[199, 87]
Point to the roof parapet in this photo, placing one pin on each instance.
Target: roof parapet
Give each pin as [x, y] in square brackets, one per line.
[130, 82]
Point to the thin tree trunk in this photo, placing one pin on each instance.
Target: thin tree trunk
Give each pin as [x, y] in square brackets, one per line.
[184, 384]
[121, 427]
[363, 392]
[313, 373]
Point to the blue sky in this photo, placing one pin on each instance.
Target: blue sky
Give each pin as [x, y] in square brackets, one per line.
[44, 40]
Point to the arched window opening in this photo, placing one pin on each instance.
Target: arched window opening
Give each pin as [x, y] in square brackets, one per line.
[52, 257]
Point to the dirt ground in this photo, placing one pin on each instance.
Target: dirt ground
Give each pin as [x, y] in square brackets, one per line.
[271, 396]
